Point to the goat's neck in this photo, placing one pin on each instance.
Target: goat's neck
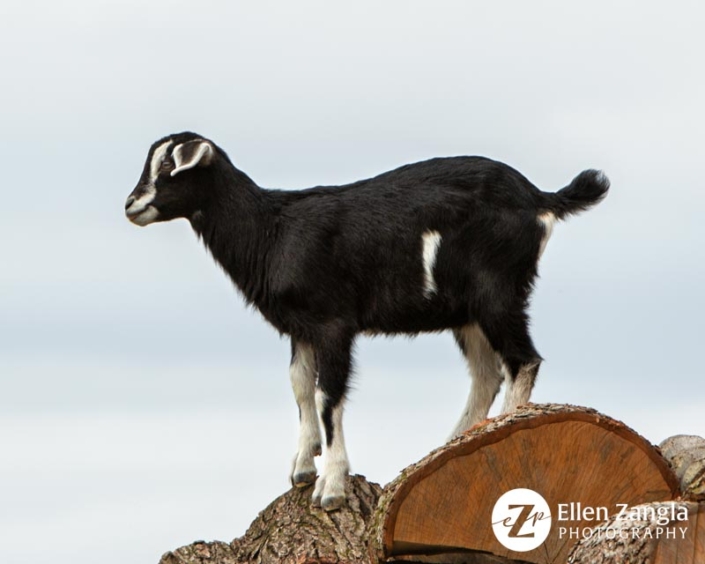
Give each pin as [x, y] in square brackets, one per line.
[237, 232]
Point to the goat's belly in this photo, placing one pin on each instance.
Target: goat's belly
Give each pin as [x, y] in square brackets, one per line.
[414, 322]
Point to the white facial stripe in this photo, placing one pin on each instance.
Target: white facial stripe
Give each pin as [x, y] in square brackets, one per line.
[548, 220]
[156, 162]
[144, 200]
[431, 243]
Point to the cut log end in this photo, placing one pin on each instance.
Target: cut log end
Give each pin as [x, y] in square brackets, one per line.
[567, 454]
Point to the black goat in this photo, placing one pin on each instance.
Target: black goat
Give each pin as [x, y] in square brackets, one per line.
[448, 243]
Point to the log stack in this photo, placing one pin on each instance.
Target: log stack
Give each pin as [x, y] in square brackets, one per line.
[439, 510]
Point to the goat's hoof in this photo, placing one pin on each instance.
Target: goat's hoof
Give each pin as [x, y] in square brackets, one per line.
[331, 503]
[317, 450]
[303, 479]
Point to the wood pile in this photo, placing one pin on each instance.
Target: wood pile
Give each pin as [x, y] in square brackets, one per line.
[610, 497]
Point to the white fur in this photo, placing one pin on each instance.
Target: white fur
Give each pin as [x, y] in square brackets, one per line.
[548, 220]
[203, 153]
[519, 390]
[156, 162]
[329, 492]
[303, 381]
[150, 192]
[431, 243]
[486, 376]
[140, 211]
[145, 217]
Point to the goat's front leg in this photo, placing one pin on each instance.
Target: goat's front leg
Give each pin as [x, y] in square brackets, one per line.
[303, 381]
[334, 365]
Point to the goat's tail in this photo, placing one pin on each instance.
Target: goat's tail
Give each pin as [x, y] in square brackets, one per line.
[586, 190]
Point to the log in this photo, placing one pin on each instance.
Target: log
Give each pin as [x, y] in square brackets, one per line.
[291, 531]
[686, 453]
[642, 536]
[201, 552]
[443, 504]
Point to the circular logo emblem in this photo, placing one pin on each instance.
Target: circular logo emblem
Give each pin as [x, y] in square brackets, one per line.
[521, 520]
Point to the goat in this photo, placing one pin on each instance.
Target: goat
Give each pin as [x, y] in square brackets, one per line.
[448, 243]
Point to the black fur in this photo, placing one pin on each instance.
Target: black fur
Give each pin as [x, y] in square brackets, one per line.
[327, 263]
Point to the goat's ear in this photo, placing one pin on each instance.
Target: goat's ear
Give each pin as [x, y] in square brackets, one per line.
[190, 154]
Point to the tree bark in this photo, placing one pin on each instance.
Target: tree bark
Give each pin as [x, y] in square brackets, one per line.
[291, 531]
[686, 453]
[202, 552]
[641, 536]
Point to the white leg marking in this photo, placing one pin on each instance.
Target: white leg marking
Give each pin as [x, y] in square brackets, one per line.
[303, 381]
[519, 390]
[548, 220]
[486, 377]
[329, 492]
[431, 243]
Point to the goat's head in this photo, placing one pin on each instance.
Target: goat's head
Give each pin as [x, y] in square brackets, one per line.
[173, 181]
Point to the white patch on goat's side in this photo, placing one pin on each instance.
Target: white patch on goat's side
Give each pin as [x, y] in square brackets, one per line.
[156, 162]
[547, 220]
[303, 381]
[486, 377]
[431, 243]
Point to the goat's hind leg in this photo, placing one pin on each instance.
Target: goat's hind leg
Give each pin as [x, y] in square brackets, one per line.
[520, 383]
[303, 381]
[509, 335]
[485, 373]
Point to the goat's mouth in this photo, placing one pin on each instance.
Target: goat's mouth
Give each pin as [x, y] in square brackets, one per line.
[142, 216]
[138, 207]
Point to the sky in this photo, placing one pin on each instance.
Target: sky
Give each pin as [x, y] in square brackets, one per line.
[143, 406]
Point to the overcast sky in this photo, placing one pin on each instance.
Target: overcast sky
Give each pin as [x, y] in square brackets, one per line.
[142, 406]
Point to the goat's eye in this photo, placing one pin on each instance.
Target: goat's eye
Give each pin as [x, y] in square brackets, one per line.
[166, 165]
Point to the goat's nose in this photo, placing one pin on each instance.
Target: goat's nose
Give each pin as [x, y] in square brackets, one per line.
[129, 202]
